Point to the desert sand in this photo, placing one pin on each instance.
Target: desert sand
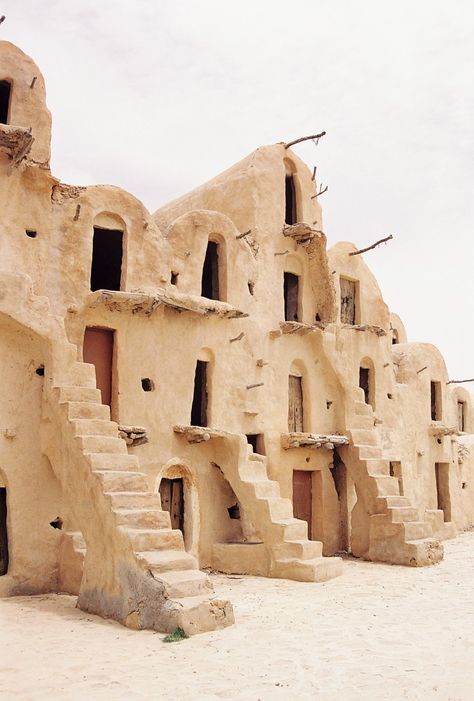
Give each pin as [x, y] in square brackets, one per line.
[377, 632]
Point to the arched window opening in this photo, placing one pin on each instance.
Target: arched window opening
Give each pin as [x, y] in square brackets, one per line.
[4, 557]
[295, 404]
[199, 407]
[107, 252]
[291, 286]
[290, 200]
[5, 93]
[210, 272]
[435, 394]
[395, 337]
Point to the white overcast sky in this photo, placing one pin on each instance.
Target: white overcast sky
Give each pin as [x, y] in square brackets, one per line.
[158, 96]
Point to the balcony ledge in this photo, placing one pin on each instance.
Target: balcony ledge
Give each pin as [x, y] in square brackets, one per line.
[312, 440]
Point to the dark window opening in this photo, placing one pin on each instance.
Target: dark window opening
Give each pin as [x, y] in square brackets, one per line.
[106, 270]
[395, 337]
[174, 278]
[57, 523]
[4, 557]
[172, 500]
[256, 440]
[435, 392]
[462, 416]
[40, 371]
[5, 92]
[364, 383]
[31, 234]
[199, 406]
[442, 489]
[290, 200]
[348, 301]
[251, 286]
[291, 292]
[295, 404]
[234, 511]
[210, 272]
[147, 384]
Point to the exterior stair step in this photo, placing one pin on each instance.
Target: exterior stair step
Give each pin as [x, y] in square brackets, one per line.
[101, 444]
[154, 538]
[265, 488]
[79, 394]
[143, 518]
[364, 436]
[291, 528]
[319, 569]
[402, 513]
[362, 409]
[113, 461]
[387, 485]
[369, 452]
[122, 481]
[163, 560]
[278, 507]
[87, 410]
[253, 471]
[95, 427]
[362, 421]
[82, 375]
[134, 500]
[184, 583]
[300, 549]
[377, 466]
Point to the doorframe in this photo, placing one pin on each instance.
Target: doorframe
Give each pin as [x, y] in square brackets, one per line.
[181, 469]
[114, 386]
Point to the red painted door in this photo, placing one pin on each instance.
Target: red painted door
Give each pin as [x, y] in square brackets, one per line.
[99, 350]
[303, 498]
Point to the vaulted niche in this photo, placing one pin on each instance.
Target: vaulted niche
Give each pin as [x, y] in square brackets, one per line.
[367, 381]
[295, 403]
[292, 293]
[210, 272]
[462, 416]
[435, 397]
[107, 252]
[290, 200]
[199, 406]
[5, 92]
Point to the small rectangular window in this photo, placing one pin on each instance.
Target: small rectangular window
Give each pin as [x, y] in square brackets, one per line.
[256, 440]
[210, 272]
[462, 416]
[291, 292]
[106, 269]
[199, 406]
[348, 301]
[5, 91]
[290, 201]
[435, 389]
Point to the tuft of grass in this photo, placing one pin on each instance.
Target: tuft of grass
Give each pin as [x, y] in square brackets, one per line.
[175, 636]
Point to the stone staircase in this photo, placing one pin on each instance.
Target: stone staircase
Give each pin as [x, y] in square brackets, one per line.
[136, 569]
[281, 547]
[395, 534]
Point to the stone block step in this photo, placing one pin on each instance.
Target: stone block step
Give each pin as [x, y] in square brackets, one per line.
[143, 518]
[362, 421]
[154, 538]
[369, 452]
[320, 569]
[101, 444]
[121, 481]
[416, 530]
[166, 560]
[87, 410]
[257, 457]
[300, 549]
[291, 529]
[402, 513]
[265, 488]
[362, 409]
[386, 485]
[200, 614]
[94, 427]
[253, 471]
[278, 507]
[134, 500]
[82, 375]
[184, 583]
[364, 436]
[79, 394]
[423, 552]
[117, 462]
[385, 502]
[377, 466]
[241, 558]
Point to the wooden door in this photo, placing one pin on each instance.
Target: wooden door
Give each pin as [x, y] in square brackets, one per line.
[99, 350]
[172, 500]
[461, 415]
[295, 404]
[3, 532]
[303, 498]
[348, 301]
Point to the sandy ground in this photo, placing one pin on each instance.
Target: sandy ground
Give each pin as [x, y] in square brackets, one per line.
[376, 633]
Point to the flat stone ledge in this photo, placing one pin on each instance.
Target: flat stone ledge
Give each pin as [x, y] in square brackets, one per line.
[133, 435]
[312, 440]
[438, 430]
[377, 330]
[301, 233]
[297, 328]
[199, 434]
[146, 303]
[15, 141]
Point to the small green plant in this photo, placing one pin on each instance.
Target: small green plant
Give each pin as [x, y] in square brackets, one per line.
[175, 636]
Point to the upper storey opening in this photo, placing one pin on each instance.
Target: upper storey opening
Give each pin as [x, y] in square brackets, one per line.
[5, 92]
